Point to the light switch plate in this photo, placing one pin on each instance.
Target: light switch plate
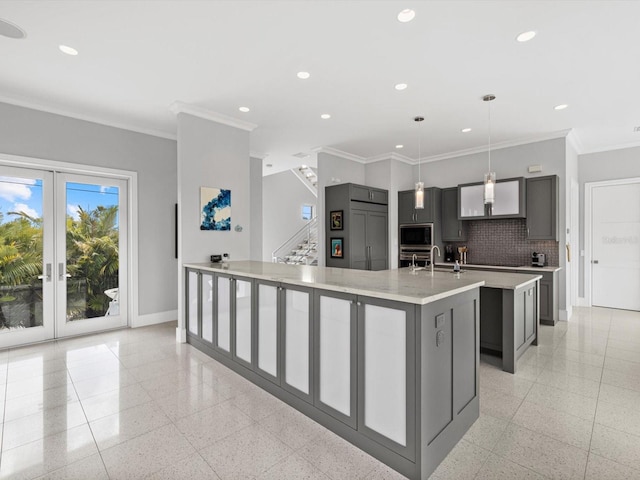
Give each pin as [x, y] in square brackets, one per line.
[440, 320]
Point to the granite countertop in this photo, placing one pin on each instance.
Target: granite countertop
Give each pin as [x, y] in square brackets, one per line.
[400, 285]
[504, 280]
[502, 267]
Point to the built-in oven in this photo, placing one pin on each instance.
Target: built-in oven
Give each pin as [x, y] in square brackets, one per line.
[415, 243]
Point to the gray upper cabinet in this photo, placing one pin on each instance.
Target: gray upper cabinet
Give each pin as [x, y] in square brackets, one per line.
[361, 193]
[407, 213]
[542, 208]
[453, 229]
[509, 201]
[365, 226]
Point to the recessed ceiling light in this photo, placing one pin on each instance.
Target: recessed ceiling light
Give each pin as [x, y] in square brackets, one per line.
[325, 116]
[244, 109]
[11, 30]
[401, 86]
[68, 50]
[561, 106]
[399, 146]
[303, 75]
[465, 130]
[406, 15]
[526, 36]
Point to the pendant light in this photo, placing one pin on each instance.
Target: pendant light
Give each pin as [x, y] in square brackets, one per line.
[419, 202]
[489, 177]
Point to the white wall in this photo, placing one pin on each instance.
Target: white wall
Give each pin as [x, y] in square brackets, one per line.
[32, 133]
[210, 155]
[599, 167]
[283, 195]
[331, 171]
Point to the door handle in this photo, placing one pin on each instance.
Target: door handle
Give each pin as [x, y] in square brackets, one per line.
[61, 272]
[47, 273]
[594, 261]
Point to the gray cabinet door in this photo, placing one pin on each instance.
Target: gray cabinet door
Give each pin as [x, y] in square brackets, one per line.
[361, 193]
[530, 302]
[453, 230]
[546, 300]
[542, 208]
[376, 240]
[405, 207]
[426, 214]
[192, 305]
[356, 245]
[267, 342]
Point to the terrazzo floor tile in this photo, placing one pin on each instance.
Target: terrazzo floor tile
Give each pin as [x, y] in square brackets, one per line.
[563, 401]
[257, 405]
[498, 405]
[294, 467]
[575, 369]
[292, 427]
[504, 382]
[147, 453]
[103, 384]
[88, 468]
[382, 472]
[33, 427]
[338, 458]
[39, 402]
[154, 369]
[246, 453]
[215, 423]
[39, 384]
[552, 423]
[47, 454]
[622, 380]
[159, 387]
[620, 447]
[498, 468]
[486, 431]
[620, 396]
[619, 417]
[569, 383]
[599, 468]
[541, 453]
[464, 461]
[193, 467]
[625, 367]
[112, 402]
[189, 401]
[127, 424]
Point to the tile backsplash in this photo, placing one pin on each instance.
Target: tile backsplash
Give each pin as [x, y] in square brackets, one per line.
[504, 242]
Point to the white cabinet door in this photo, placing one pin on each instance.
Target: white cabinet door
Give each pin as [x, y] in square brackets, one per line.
[207, 306]
[243, 320]
[507, 201]
[192, 320]
[385, 372]
[472, 201]
[297, 335]
[335, 354]
[268, 329]
[223, 295]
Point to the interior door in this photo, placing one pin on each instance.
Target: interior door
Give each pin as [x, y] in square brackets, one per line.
[615, 272]
[91, 254]
[26, 256]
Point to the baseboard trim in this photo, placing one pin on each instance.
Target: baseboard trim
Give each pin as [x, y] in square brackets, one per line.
[582, 302]
[564, 315]
[155, 318]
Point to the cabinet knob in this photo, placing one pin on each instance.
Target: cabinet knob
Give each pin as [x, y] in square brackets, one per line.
[358, 303]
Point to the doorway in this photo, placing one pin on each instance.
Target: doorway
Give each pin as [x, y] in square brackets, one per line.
[614, 250]
[63, 254]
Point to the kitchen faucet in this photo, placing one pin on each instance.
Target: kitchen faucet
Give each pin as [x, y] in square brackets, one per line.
[413, 261]
[433, 247]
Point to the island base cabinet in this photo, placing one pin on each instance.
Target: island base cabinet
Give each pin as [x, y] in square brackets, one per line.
[396, 379]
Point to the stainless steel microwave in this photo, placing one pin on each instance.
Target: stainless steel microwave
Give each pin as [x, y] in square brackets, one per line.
[416, 235]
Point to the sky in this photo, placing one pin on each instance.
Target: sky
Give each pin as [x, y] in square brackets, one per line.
[25, 195]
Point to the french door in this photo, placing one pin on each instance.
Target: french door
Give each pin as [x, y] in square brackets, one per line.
[63, 254]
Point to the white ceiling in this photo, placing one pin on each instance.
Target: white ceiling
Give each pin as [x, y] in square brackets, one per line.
[138, 57]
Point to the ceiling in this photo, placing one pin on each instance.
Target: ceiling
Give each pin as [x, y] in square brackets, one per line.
[137, 57]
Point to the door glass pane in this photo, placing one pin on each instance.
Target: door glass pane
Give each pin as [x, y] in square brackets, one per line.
[92, 239]
[21, 253]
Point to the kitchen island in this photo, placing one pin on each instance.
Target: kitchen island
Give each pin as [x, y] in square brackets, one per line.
[388, 360]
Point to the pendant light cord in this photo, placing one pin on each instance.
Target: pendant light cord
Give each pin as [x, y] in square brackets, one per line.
[489, 136]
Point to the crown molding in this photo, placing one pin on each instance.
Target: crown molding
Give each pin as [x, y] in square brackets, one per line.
[258, 155]
[200, 112]
[87, 118]
[620, 146]
[574, 139]
[390, 156]
[496, 146]
[339, 153]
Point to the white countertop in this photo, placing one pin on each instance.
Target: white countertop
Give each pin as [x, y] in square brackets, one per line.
[399, 285]
[503, 280]
[528, 268]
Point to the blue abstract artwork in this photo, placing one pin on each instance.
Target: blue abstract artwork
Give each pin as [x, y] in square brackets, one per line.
[215, 209]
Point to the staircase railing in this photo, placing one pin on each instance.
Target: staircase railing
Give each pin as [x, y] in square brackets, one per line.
[307, 235]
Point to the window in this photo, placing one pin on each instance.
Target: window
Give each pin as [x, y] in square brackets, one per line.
[307, 212]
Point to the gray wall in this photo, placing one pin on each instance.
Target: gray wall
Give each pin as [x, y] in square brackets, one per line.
[256, 240]
[340, 170]
[283, 195]
[600, 167]
[32, 133]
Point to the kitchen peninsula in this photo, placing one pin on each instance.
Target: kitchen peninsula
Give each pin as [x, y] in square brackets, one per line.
[388, 360]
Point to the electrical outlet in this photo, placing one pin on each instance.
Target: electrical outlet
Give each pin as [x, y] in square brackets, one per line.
[439, 338]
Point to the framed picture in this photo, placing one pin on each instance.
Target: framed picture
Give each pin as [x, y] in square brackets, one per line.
[336, 220]
[337, 250]
[215, 209]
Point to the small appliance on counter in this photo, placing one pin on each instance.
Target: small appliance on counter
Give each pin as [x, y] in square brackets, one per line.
[538, 259]
[449, 256]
